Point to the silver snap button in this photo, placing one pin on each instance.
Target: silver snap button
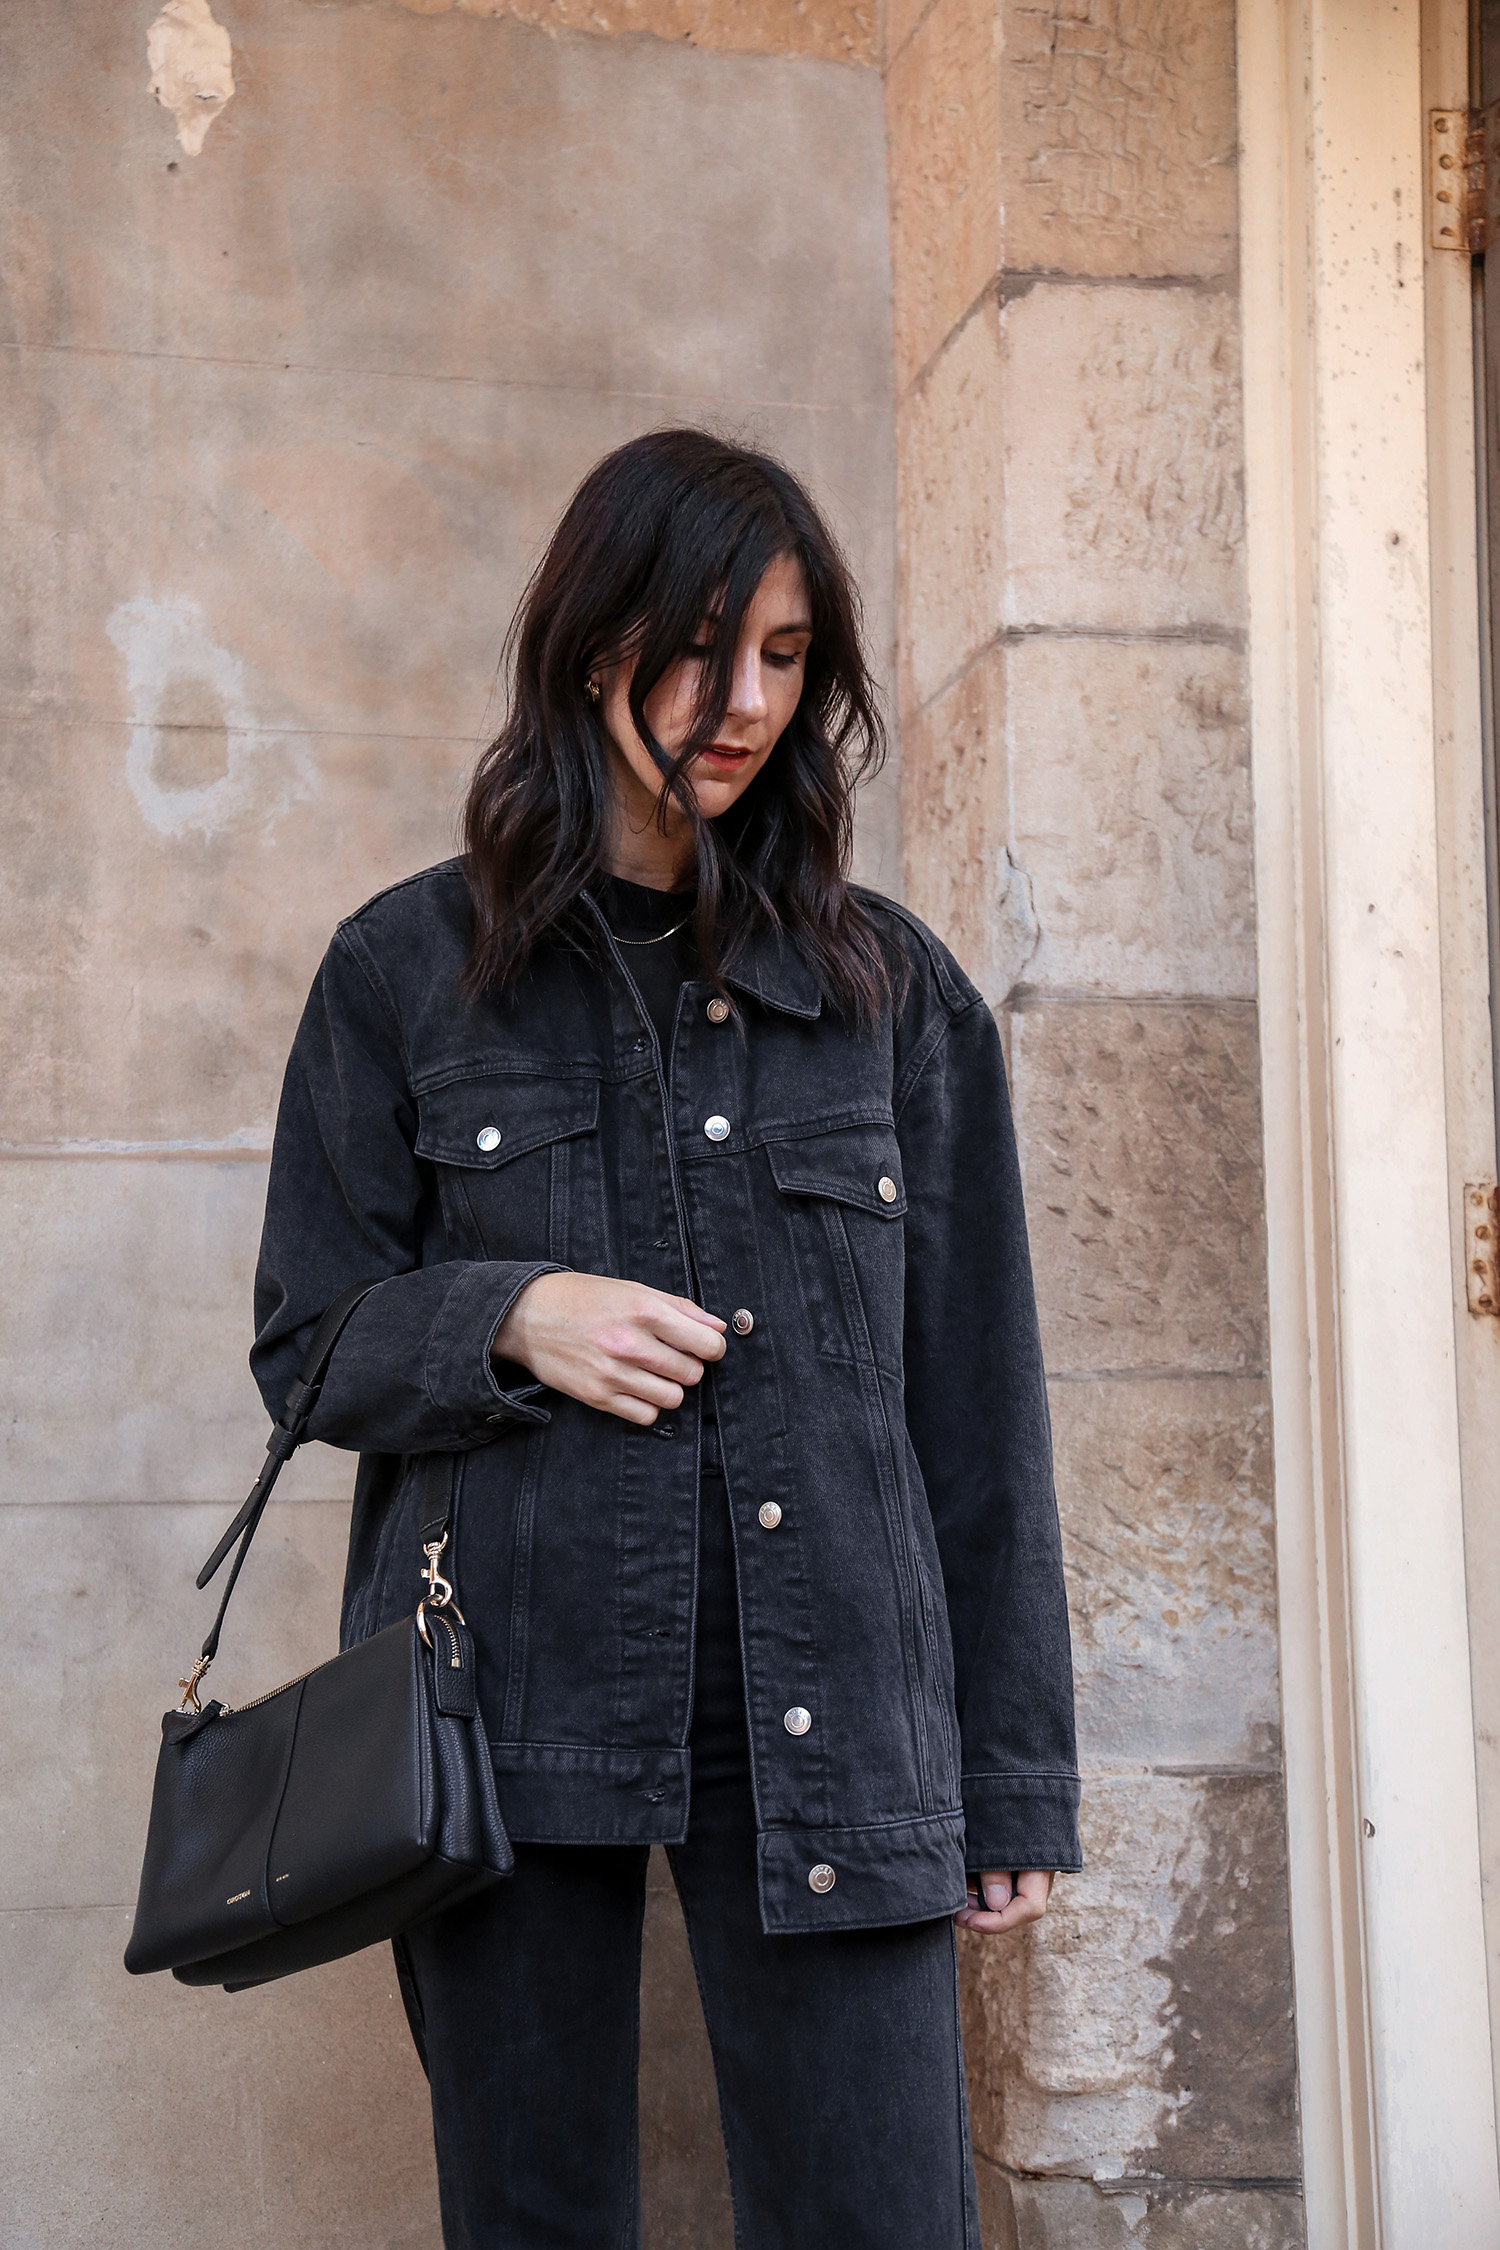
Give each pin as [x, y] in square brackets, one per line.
[718, 1011]
[487, 1137]
[769, 1514]
[886, 1189]
[821, 1878]
[717, 1128]
[742, 1322]
[797, 1721]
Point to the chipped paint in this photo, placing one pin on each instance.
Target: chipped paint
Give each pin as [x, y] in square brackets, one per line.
[192, 71]
[174, 668]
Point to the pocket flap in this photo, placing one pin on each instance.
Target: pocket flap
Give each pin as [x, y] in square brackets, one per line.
[858, 1164]
[483, 1123]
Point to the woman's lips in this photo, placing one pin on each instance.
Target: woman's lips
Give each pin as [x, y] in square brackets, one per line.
[724, 754]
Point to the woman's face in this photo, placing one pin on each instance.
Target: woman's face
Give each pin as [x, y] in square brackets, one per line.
[769, 663]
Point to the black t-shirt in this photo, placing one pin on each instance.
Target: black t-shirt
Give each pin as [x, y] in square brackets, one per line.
[661, 963]
[659, 967]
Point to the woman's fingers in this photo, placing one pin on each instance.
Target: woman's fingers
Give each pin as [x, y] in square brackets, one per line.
[687, 1328]
[627, 1408]
[636, 1348]
[616, 1345]
[999, 1902]
[640, 1383]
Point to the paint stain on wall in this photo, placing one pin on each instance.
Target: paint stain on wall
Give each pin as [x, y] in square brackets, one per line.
[191, 68]
[199, 760]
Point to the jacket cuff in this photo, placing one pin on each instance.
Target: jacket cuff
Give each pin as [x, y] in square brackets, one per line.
[460, 1375]
[1018, 1820]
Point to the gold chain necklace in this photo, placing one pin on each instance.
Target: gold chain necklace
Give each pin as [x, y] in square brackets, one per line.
[660, 935]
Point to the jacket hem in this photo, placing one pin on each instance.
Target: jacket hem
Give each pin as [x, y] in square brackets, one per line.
[566, 1793]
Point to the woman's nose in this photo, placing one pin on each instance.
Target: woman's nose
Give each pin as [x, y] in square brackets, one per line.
[747, 696]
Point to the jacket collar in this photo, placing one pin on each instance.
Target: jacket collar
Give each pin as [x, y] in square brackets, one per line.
[775, 973]
[771, 970]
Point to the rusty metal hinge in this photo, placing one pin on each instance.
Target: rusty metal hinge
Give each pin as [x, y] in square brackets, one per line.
[1463, 178]
[1482, 1245]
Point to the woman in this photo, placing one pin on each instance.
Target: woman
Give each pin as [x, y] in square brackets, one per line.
[691, 1172]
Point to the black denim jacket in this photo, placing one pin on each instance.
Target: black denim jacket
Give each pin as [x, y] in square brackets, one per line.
[854, 1197]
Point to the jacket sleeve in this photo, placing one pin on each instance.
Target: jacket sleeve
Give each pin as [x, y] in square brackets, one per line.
[347, 1202]
[976, 1403]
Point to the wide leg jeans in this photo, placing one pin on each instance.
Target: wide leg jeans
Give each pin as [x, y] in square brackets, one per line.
[838, 2060]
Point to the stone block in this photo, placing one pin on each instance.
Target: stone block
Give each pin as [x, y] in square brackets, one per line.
[1090, 2215]
[1130, 811]
[950, 435]
[902, 18]
[942, 98]
[1164, 1489]
[1077, 815]
[1101, 145]
[1122, 459]
[1118, 127]
[961, 875]
[1141, 1155]
[1143, 2031]
[123, 1333]
[1070, 461]
[438, 199]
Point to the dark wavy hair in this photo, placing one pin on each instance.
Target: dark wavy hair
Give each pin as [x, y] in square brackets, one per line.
[669, 532]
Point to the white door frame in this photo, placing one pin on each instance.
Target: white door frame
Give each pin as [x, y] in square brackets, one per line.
[1393, 2033]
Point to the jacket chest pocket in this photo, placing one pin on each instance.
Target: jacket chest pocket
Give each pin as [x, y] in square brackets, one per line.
[842, 1199]
[517, 1166]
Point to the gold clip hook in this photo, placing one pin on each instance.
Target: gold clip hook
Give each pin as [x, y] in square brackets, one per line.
[189, 1686]
[440, 1592]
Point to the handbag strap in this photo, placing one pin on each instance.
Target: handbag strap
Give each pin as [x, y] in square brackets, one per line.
[287, 1433]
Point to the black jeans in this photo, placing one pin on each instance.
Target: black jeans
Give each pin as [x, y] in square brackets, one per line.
[839, 2066]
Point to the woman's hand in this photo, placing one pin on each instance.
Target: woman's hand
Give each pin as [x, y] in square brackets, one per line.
[1012, 1900]
[616, 1345]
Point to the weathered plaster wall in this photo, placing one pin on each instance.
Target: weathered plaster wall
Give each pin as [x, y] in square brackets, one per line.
[1076, 820]
[836, 30]
[284, 423]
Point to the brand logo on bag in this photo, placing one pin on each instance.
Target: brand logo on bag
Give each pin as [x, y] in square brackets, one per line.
[236, 1898]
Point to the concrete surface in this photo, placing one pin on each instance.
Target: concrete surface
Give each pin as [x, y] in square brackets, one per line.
[285, 423]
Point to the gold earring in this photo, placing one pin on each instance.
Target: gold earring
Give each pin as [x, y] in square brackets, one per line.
[591, 690]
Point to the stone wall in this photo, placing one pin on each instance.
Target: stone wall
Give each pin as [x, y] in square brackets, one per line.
[1076, 821]
[284, 424]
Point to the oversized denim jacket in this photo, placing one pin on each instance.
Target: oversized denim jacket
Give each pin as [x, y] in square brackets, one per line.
[864, 1208]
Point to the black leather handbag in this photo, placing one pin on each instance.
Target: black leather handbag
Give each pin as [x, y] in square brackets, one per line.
[337, 1810]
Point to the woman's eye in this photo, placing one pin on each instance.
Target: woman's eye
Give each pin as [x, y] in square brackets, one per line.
[782, 660]
[700, 648]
